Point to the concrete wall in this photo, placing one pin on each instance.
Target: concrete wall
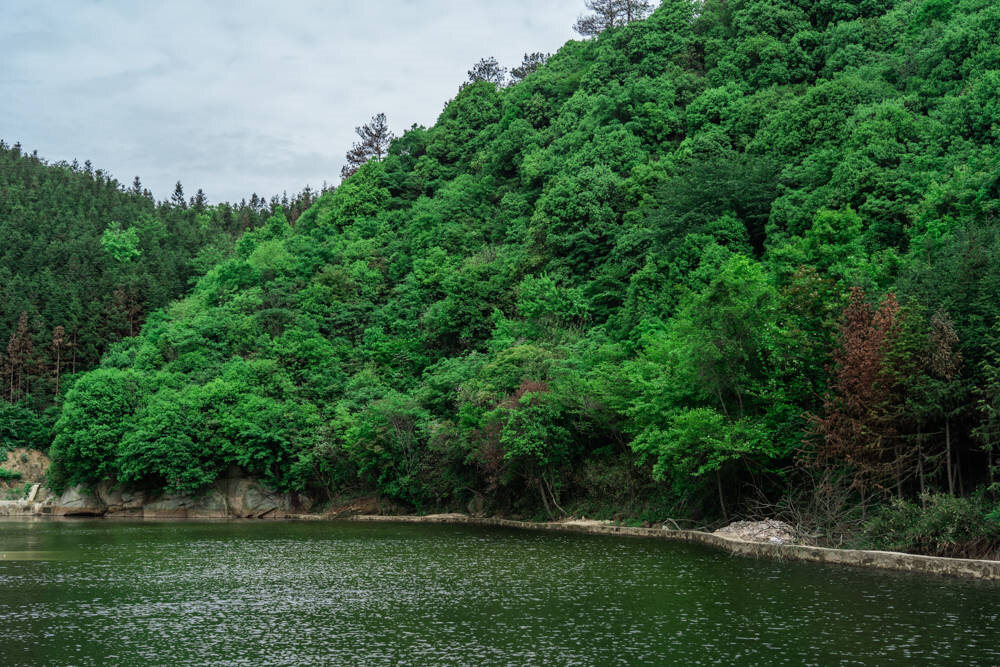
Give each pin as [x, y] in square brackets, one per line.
[884, 560]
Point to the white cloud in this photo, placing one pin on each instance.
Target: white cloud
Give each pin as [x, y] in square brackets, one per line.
[241, 97]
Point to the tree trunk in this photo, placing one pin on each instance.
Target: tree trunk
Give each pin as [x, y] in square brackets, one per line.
[947, 442]
[920, 474]
[899, 473]
[57, 370]
[545, 501]
[958, 474]
[722, 498]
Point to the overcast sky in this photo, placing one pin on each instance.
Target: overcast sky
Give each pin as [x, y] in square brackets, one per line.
[243, 96]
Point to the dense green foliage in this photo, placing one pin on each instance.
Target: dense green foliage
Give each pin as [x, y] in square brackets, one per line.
[680, 264]
[942, 525]
[83, 261]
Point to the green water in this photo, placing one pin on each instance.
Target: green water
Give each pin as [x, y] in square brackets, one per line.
[111, 592]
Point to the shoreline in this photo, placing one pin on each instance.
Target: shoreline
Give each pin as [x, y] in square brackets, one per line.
[966, 568]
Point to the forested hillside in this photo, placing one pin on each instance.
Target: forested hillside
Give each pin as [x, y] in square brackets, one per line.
[740, 256]
[82, 262]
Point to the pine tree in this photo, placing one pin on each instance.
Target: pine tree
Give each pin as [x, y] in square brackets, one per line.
[530, 64]
[19, 350]
[58, 343]
[611, 14]
[375, 139]
[488, 69]
[178, 197]
[199, 202]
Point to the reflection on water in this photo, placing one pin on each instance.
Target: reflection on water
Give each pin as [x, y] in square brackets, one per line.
[35, 555]
[316, 593]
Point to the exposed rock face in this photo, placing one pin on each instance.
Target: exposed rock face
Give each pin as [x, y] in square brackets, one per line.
[238, 497]
[76, 502]
[775, 532]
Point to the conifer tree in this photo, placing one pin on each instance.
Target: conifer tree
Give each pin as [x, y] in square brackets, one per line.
[19, 351]
[178, 197]
[530, 64]
[488, 69]
[58, 343]
[611, 14]
[375, 139]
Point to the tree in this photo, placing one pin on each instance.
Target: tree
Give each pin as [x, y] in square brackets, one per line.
[200, 201]
[945, 365]
[859, 426]
[178, 197]
[121, 244]
[488, 69]
[530, 64]
[988, 404]
[58, 343]
[19, 351]
[611, 14]
[374, 144]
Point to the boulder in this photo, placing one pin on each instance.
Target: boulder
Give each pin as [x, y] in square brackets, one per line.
[75, 501]
[249, 499]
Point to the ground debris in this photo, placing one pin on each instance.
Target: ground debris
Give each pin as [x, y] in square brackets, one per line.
[769, 530]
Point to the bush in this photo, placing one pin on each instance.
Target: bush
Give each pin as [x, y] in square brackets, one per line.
[7, 475]
[20, 426]
[944, 526]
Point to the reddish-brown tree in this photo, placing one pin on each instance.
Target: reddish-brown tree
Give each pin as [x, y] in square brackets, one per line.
[19, 355]
[58, 343]
[861, 409]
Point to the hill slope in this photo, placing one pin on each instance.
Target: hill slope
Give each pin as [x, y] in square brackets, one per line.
[83, 261]
[654, 275]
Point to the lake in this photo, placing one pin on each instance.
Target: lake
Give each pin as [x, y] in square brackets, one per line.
[286, 593]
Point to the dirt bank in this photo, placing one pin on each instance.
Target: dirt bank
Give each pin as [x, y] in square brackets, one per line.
[30, 464]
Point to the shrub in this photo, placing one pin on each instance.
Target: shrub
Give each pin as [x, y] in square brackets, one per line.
[944, 526]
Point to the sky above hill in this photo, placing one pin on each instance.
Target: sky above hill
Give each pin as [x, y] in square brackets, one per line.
[250, 96]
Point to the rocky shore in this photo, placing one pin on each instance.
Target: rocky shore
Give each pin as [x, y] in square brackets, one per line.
[236, 496]
[232, 496]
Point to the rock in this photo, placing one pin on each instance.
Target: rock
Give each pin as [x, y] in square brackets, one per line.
[77, 502]
[167, 507]
[254, 501]
[209, 505]
[119, 502]
[240, 497]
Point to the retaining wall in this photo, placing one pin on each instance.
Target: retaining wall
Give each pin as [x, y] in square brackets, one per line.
[988, 570]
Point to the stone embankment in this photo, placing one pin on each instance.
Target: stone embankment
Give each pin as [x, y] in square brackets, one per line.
[988, 570]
